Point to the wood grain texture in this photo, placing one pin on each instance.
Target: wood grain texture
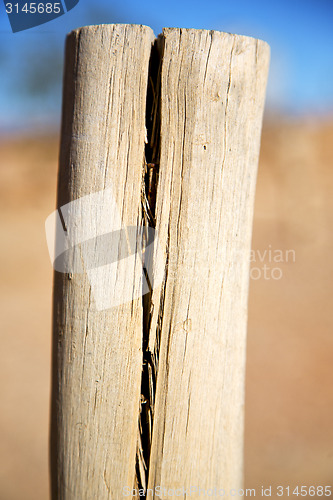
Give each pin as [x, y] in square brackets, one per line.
[163, 375]
[212, 97]
[97, 354]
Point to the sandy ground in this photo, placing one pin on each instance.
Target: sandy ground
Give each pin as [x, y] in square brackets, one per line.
[289, 398]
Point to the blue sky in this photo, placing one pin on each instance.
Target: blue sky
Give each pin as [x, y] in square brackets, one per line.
[300, 34]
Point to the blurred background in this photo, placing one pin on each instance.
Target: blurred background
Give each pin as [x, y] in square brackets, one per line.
[289, 388]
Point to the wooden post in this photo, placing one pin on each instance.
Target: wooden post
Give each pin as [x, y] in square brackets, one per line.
[149, 393]
[97, 354]
[212, 97]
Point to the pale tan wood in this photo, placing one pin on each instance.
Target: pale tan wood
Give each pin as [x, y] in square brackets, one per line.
[212, 97]
[97, 354]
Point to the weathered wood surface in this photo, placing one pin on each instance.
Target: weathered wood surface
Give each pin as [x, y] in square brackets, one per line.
[212, 97]
[207, 109]
[97, 355]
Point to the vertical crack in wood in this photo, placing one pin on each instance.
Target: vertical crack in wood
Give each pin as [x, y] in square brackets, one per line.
[149, 191]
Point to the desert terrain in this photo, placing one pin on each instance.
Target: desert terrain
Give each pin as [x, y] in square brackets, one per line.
[289, 386]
